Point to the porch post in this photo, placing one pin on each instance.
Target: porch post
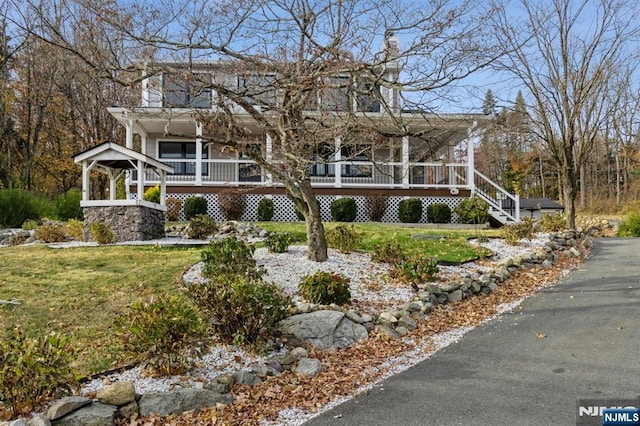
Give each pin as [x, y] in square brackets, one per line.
[112, 185]
[163, 187]
[338, 160]
[470, 160]
[198, 178]
[405, 161]
[129, 144]
[85, 181]
[143, 144]
[140, 180]
[269, 158]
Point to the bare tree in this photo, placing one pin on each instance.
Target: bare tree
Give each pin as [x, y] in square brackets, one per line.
[289, 54]
[564, 53]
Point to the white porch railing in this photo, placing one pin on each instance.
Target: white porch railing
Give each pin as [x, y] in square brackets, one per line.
[343, 174]
[503, 206]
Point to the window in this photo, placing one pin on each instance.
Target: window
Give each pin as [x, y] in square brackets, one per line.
[355, 153]
[258, 89]
[182, 151]
[323, 167]
[334, 95]
[186, 92]
[368, 97]
[249, 171]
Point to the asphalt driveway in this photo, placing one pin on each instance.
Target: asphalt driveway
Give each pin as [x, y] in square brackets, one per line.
[576, 344]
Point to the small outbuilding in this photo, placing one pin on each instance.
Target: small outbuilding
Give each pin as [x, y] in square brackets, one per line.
[536, 207]
[133, 218]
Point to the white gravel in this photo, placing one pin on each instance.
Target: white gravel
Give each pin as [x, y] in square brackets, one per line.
[286, 270]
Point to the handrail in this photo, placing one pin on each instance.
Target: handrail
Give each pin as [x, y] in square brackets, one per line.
[507, 204]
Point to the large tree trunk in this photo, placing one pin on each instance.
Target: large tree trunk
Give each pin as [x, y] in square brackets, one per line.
[570, 190]
[306, 202]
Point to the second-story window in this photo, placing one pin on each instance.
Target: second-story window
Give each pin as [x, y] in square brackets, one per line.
[258, 89]
[334, 94]
[186, 91]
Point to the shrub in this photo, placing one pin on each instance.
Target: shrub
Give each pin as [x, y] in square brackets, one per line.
[325, 288]
[265, 210]
[376, 206]
[52, 233]
[68, 205]
[194, 206]
[416, 269]
[278, 242]
[152, 194]
[165, 334]
[34, 369]
[344, 210]
[16, 206]
[439, 213]
[173, 209]
[230, 256]
[514, 232]
[387, 253]
[101, 233]
[242, 311]
[75, 229]
[472, 210]
[630, 226]
[201, 227]
[232, 203]
[410, 210]
[30, 225]
[344, 238]
[553, 222]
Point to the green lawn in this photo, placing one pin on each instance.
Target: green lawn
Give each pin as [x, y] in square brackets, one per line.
[81, 290]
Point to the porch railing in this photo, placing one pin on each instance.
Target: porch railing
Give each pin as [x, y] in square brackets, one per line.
[504, 206]
[363, 174]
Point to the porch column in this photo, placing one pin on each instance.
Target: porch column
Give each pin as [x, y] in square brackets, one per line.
[143, 144]
[405, 161]
[163, 187]
[112, 185]
[338, 160]
[470, 159]
[269, 157]
[140, 169]
[128, 144]
[198, 178]
[85, 181]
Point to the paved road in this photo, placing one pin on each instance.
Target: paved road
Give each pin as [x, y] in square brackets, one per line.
[503, 373]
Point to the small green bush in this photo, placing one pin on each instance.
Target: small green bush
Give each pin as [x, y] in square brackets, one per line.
[416, 269]
[390, 253]
[101, 233]
[152, 194]
[243, 311]
[265, 210]
[344, 210]
[278, 242]
[630, 225]
[325, 288]
[68, 205]
[34, 370]
[232, 202]
[75, 229]
[230, 256]
[52, 233]
[30, 225]
[194, 206]
[553, 222]
[173, 209]
[376, 206]
[344, 238]
[472, 210]
[439, 213]
[201, 227]
[165, 334]
[17, 206]
[410, 210]
[514, 232]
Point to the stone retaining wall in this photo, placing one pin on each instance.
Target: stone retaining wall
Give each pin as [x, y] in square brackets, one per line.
[128, 223]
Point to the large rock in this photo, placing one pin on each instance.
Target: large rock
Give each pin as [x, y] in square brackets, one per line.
[66, 405]
[119, 393]
[324, 329]
[179, 401]
[309, 367]
[96, 414]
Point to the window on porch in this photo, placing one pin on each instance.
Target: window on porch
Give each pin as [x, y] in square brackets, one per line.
[181, 156]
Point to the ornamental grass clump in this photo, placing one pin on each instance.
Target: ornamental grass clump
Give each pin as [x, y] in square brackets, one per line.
[344, 238]
[325, 288]
[165, 334]
[514, 232]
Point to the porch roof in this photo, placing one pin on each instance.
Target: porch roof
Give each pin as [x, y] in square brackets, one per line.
[114, 156]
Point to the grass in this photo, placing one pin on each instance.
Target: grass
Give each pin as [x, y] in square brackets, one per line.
[82, 290]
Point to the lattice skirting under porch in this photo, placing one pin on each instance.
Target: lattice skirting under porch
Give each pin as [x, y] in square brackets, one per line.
[284, 210]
